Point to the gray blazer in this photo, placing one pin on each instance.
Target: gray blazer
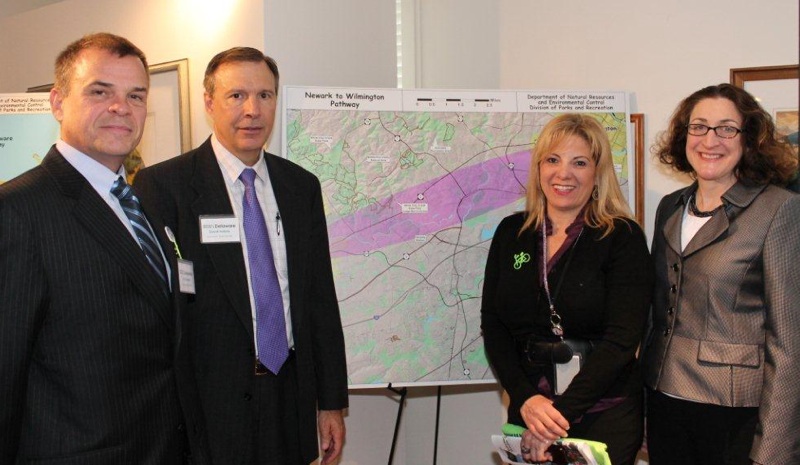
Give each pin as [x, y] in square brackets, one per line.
[726, 311]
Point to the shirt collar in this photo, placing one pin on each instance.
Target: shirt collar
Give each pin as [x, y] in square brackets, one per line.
[232, 167]
[741, 194]
[98, 175]
[573, 229]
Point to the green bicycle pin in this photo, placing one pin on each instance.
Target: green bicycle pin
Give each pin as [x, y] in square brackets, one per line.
[520, 258]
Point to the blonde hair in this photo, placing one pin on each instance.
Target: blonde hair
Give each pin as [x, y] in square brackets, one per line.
[610, 203]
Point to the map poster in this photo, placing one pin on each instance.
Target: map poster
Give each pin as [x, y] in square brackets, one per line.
[27, 131]
[415, 183]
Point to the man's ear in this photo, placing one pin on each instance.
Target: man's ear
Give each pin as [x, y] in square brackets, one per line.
[208, 99]
[56, 102]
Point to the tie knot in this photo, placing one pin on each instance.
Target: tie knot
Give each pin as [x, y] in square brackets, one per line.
[248, 177]
[121, 189]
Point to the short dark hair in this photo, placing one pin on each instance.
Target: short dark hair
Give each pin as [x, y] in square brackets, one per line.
[765, 159]
[237, 55]
[65, 62]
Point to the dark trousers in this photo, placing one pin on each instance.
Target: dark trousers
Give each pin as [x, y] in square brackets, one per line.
[276, 434]
[620, 428]
[694, 433]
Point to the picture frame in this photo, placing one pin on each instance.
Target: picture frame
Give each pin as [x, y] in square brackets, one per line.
[637, 131]
[41, 88]
[776, 89]
[167, 130]
[739, 76]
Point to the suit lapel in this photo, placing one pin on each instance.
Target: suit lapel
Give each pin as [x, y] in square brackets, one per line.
[672, 227]
[738, 197]
[105, 227]
[707, 234]
[227, 258]
[172, 263]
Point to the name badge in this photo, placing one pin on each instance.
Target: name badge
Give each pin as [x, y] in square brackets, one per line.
[565, 372]
[186, 276]
[218, 229]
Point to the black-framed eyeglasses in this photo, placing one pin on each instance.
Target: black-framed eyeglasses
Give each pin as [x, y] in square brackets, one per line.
[726, 132]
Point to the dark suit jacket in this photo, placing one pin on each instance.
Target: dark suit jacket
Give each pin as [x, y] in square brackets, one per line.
[725, 311]
[180, 190]
[89, 342]
[604, 297]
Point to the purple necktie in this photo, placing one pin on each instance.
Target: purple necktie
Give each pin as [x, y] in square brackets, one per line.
[273, 348]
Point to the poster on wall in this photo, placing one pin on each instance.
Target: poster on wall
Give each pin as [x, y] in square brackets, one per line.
[27, 131]
[415, 183]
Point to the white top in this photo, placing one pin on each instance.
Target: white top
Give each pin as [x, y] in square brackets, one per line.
[690, 225]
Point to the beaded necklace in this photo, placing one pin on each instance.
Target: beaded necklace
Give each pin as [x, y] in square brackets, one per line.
[699, 213]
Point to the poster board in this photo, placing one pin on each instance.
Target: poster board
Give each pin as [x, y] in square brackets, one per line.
[415, 183]
[27, 131]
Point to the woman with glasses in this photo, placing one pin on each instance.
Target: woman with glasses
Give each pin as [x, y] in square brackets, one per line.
[567, 287]
[722, 356]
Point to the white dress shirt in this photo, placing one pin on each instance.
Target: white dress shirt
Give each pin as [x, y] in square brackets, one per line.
[231, 168]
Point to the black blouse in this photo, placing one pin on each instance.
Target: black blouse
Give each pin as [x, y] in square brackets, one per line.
[604, 296]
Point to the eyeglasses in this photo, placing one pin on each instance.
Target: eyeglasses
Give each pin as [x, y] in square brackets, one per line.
[726, 132]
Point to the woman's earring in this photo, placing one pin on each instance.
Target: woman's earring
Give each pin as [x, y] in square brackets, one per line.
[595, 193]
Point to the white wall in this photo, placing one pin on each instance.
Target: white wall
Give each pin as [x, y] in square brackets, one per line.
[345, 43]
[659, 51]
[164, 30]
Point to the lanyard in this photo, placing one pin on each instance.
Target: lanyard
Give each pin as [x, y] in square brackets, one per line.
[555, 318]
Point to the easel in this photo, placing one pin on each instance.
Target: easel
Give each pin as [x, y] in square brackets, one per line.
[403, 392]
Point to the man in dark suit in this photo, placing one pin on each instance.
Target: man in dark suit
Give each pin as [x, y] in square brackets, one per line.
[253, 226]
[90, 371]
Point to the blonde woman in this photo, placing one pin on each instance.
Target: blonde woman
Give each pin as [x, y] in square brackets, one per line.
[567, 288]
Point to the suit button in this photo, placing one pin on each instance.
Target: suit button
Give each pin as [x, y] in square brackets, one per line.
[180, 427]
[666, 332]
[675, 267]
[671, 311]
[247, 396]
[673, 288]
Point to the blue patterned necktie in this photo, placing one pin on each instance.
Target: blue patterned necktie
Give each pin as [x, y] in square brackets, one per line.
[273, 347]
[147, 240]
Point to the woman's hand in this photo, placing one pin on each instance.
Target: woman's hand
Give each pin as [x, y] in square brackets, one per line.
[534, 450]
[543, 420]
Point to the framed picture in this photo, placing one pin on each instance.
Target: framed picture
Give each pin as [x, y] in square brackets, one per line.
[776, 89]
[167, 129]
[42, 88]
[637, 130]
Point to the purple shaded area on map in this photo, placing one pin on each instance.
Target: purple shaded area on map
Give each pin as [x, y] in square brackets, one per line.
[451, 199]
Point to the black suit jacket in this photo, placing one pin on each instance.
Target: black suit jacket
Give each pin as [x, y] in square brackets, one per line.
[604, 297]
[180, 190]
[90, 371]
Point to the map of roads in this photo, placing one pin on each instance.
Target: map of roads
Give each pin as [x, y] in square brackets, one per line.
[27, 130]
[415, 183]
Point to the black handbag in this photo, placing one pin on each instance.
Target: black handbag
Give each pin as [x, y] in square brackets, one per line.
[541, 352]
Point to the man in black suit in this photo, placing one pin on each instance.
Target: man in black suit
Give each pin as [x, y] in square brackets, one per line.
[90, 349]
[216, 199]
